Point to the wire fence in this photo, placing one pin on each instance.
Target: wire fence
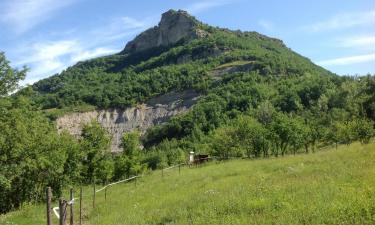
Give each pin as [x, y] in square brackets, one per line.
[61, 211]
[117, 182]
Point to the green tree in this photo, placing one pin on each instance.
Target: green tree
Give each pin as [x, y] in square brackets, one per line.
[252, 136]
[9, 77]
[225, 143]
[95, 145]
[32, 154]
[363, 130]
[129, 162]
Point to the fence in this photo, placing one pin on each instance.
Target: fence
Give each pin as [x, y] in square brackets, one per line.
[61, 210]
[62, 213]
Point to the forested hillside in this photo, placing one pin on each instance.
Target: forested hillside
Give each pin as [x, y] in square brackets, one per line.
[258, 99]
[128, 78]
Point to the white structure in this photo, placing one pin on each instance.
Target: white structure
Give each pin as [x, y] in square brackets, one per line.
[191, 157]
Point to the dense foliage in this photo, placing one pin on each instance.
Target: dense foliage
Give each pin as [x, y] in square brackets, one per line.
[33, 155]
[9, 77]
[251, 115]
[126, 79]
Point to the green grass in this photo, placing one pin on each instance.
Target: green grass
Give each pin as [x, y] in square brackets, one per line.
[234, 63]
[328, 187]
[54, 113]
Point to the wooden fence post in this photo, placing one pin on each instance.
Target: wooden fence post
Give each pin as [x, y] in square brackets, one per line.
[135, 181]
[179, 168]
[71, 206]
[49, 197]
[61, 211]
[93, 198]
[162, 172]
[105, 194]
[80, 206]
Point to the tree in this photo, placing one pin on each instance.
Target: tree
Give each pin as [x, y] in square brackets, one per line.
[225, 143]
[9, 77]
[252, 136]
[32, 154]
[363, 129]
[129, 162]
[130, 144]
[95, 144]
[286, 132]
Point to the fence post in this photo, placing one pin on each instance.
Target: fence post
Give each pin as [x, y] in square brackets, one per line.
[162, 172]
[80, 206]
[179, 168]
[105, 194]
[49, 196]
[61, 211]
[93, 198]
[135, 180]
[71, 206]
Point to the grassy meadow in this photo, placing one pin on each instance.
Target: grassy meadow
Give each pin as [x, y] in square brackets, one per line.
[335, 186]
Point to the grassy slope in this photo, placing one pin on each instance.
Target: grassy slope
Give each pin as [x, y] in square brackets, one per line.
[329, 187]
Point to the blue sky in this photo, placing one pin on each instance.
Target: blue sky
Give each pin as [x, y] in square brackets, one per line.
[50, 35]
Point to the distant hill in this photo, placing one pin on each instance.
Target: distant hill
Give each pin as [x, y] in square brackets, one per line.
[178, 54]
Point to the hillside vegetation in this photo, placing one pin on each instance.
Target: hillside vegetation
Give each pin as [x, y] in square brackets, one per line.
[334, 186]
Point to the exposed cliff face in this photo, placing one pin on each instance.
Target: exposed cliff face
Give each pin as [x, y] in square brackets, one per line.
[173, 27]
[156, 111]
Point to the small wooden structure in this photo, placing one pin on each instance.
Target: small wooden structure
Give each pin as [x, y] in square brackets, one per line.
[201, 158]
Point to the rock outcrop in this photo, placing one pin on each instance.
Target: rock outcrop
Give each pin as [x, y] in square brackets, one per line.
[173, 27]
[117, 122]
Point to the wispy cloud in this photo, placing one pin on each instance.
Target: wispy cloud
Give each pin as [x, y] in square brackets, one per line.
[131, 23]
[49, 50]
[205, 5]
[357, 41]
[46, 57]
[89, 54]
[266, 25]
[348, 60]
[121, 27]
[22, 15]
[342, 20]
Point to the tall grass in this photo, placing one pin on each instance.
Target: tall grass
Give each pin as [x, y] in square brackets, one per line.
[330, 187]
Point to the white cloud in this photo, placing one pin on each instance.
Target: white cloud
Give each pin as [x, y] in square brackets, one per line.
[49, 51]
[205, 5]
[48, 58]
[121, 27]
[89, 54]
[343, 20]
[131, 23]
[357, 41]
[22, 15]
[348, 60]
[45, 58]
[266, 25]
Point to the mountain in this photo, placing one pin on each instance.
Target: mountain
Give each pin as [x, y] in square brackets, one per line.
[162, 53]
[173, 27]
[220, 73]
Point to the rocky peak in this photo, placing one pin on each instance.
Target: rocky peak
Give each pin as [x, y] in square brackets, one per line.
[173, 27]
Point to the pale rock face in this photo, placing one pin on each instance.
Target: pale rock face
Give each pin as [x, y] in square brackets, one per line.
[173, 27]
[117, 122]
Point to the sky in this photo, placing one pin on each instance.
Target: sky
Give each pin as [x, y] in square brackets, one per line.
[48, 36]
